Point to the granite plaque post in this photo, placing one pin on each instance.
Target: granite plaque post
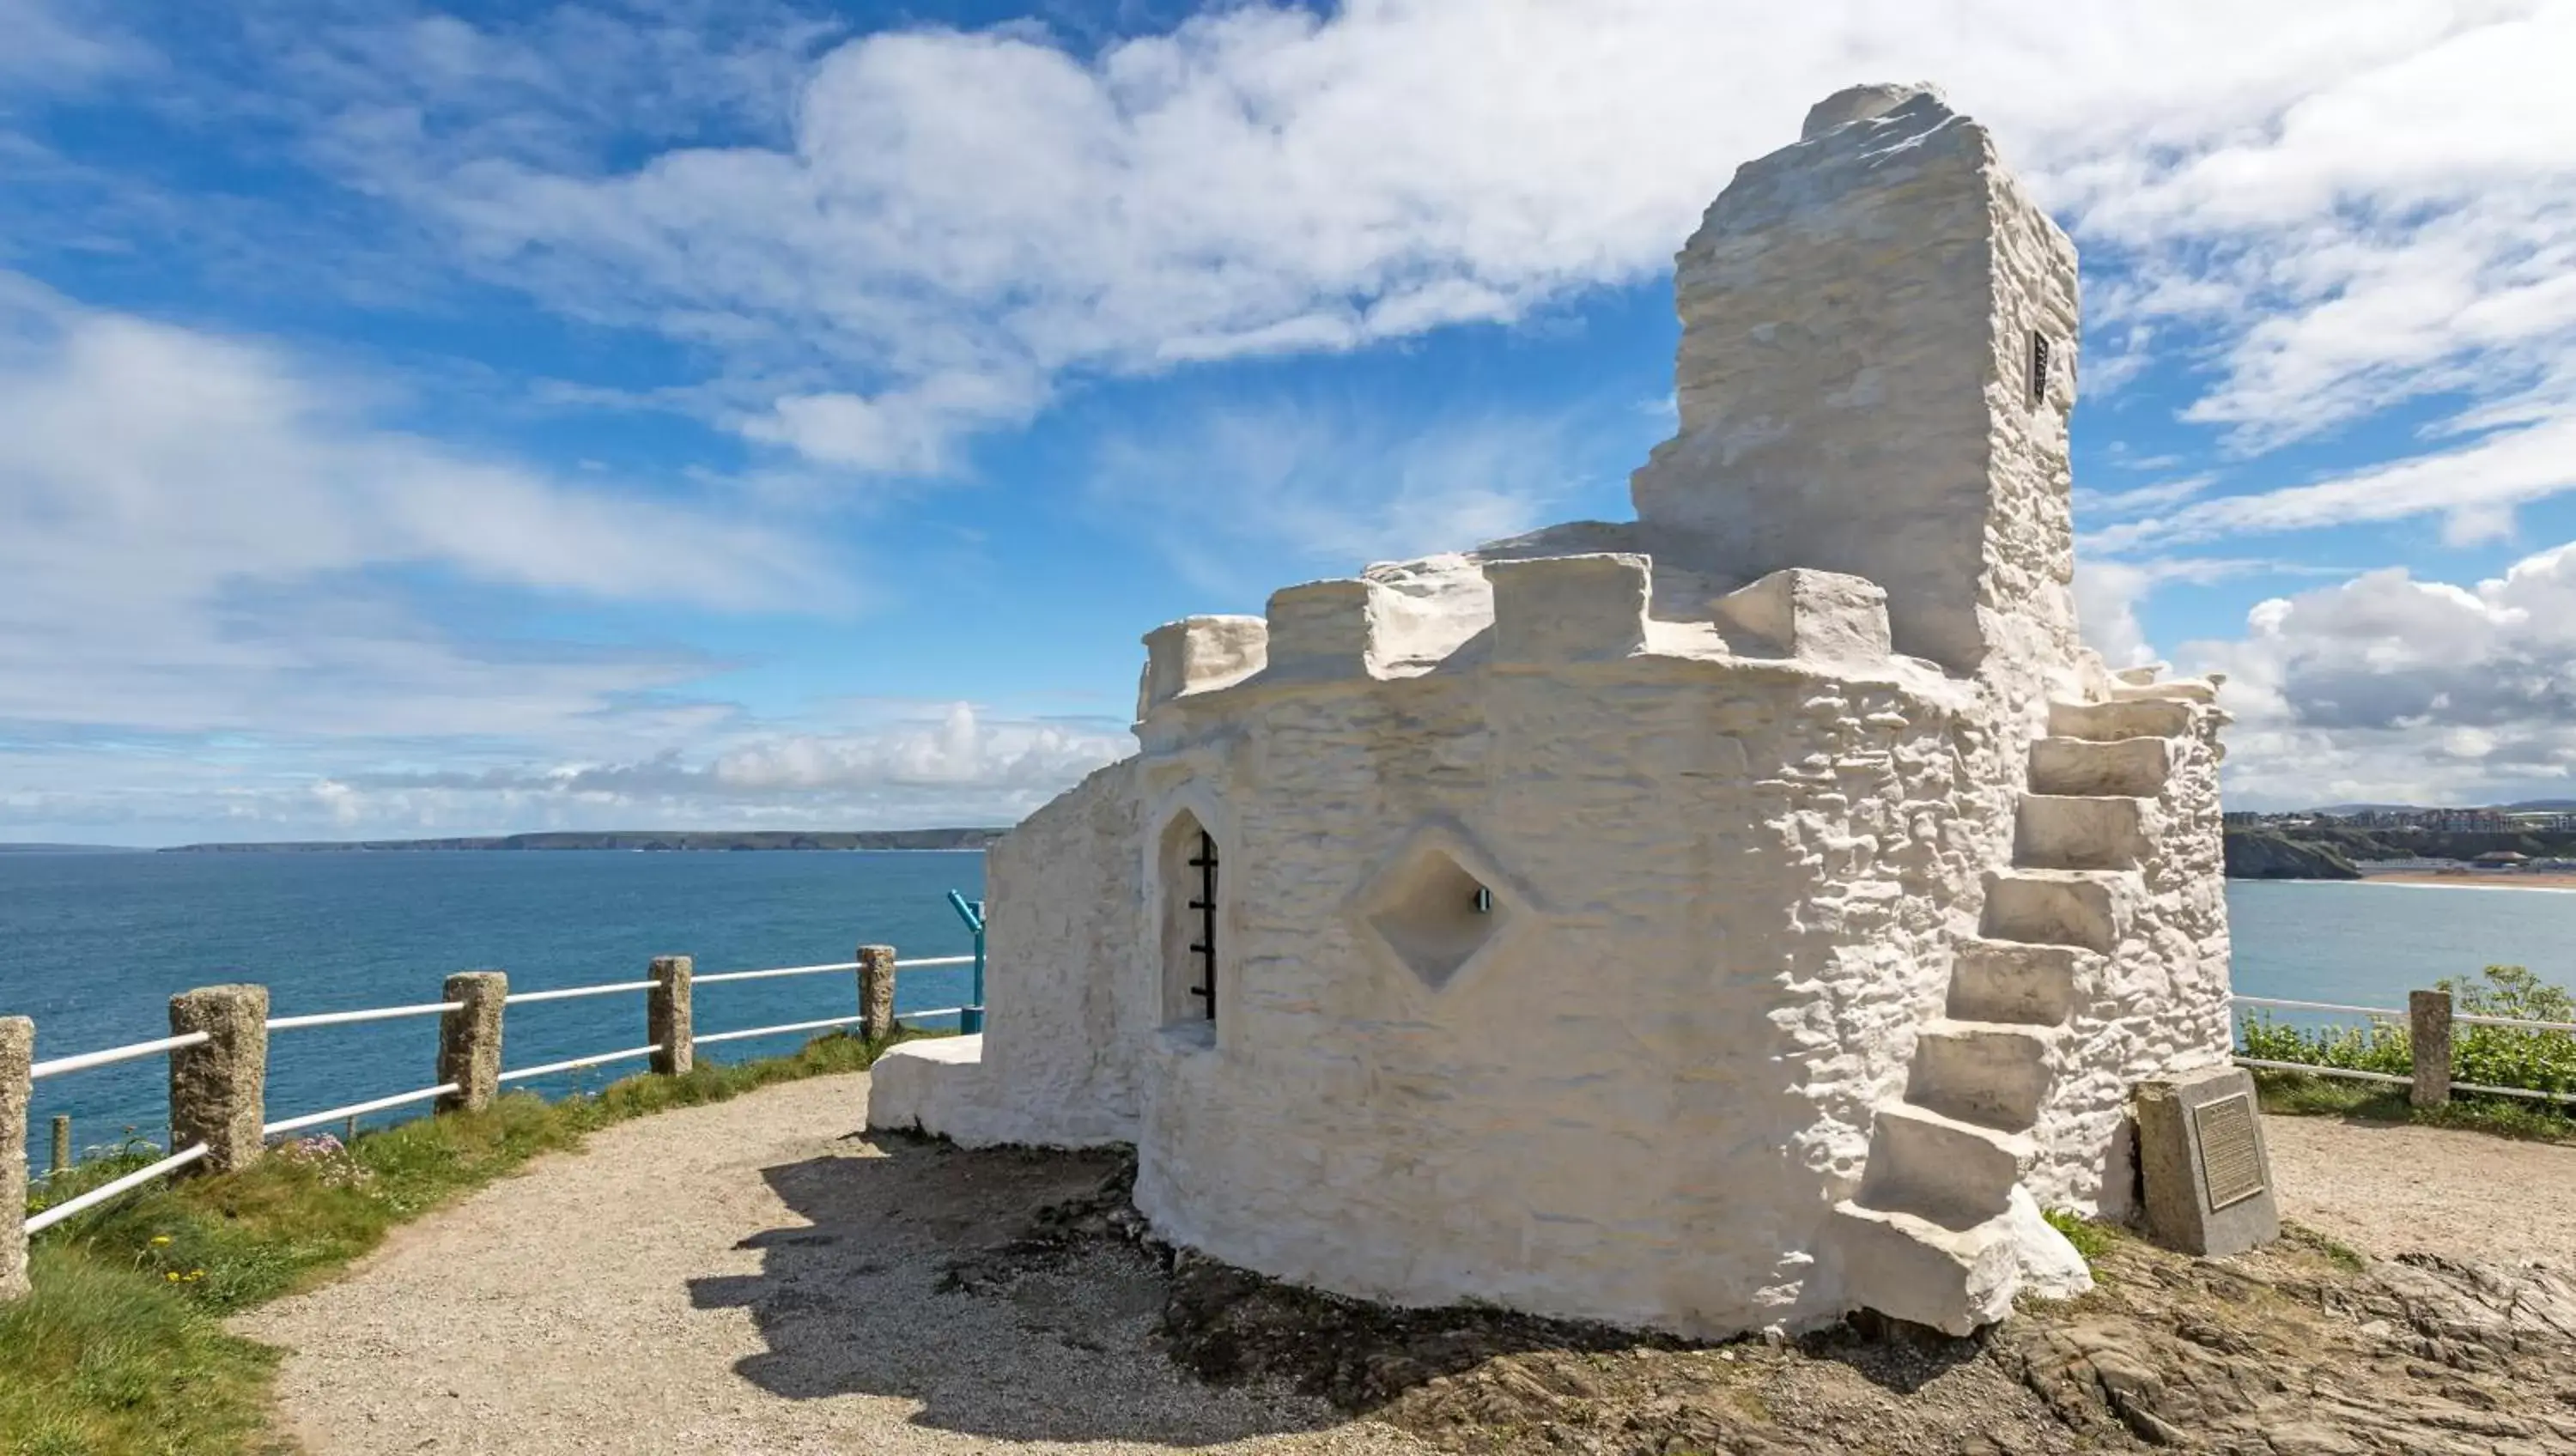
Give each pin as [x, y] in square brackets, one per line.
[2200, 1152]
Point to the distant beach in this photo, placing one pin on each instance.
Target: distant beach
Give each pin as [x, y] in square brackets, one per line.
[2474, 880]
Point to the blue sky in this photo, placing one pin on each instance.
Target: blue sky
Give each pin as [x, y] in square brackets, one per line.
[421, 419]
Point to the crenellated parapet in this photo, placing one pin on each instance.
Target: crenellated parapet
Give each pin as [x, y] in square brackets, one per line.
[1200, 654]
[1323, 631]
[1552, 610]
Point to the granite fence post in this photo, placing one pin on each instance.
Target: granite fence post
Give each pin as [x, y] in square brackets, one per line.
[2428, 1030]
[469, 1041]
[669, 1022]
[62, 1141]
[876, 991]
[219, 1087]
[17, 1089]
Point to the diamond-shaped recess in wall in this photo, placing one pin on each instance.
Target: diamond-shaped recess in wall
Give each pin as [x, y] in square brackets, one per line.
[1437, 907]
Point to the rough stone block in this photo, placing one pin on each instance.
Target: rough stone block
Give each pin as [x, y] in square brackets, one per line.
[670, 1021]
[2428, 1028]
[1200, 654]
[2200, 1153]
[17, 1053]
[1824, 616]
[876, 991]
[1554, 609]
[219, 1088]
[469, 1041]
[1323, 629]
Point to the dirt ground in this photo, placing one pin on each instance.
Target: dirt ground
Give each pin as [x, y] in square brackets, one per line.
[756, 1277]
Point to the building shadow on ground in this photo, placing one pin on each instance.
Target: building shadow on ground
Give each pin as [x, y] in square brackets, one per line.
[983, 1286]
[902, 1283]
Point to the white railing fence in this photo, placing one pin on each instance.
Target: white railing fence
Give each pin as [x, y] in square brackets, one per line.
[219, 1058]
[2428, 1018]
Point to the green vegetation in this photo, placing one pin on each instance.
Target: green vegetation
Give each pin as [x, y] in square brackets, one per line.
[2091, 1238]
[2494, 1056]
[120, 1349]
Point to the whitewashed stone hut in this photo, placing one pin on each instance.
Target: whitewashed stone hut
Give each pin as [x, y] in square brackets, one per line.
[1717, 921]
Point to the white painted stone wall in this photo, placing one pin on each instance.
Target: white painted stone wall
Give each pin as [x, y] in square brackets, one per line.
[1058, 1062]
[1736, 776]
[2159, 1004]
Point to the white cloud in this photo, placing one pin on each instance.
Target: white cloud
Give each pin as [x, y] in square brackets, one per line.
[2385, 687]
[202, 534]
[44, 51]
[2474, 489]
[942, 206]
[911, 767]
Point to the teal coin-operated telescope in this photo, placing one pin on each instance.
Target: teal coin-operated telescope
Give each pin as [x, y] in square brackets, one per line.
[970, 1022]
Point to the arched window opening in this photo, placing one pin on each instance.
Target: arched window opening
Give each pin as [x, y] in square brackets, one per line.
[1190, 866]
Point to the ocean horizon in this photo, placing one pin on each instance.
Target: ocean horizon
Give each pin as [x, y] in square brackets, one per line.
[92, 945]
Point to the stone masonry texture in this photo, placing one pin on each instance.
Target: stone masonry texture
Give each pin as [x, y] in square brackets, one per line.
[219, 1089]
[670, 1021]
[876, 991]
[469, 1041]
[17, 1050]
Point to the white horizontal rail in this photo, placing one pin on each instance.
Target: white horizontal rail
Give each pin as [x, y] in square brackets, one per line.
[357, 1109]
[776, 971]
[113, 1055]
[570, 993]
[2568, 1026]
[779, 1030]
[934, 1011]
[39, 1222]
[2379, 1011]
[381, 1013]
[2531, 1092]
[2317, 1071]
[928, 961]
[577, 1063]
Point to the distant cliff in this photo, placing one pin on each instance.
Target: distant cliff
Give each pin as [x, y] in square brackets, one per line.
[2256, 854]
[642, 839]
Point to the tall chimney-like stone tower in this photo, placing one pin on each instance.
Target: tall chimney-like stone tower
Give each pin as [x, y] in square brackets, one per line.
[1876, 368]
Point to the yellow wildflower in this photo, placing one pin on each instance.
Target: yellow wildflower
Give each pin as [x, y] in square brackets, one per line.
[172, 1276]
[160, 1241]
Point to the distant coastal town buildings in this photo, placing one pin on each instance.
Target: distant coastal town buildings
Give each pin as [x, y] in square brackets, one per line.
[2448, 821]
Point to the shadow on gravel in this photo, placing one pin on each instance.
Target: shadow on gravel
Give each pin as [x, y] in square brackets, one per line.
[920, 1279]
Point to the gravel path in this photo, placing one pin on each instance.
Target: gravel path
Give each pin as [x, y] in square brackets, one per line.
[2390, 1190]
[749, 1277]
[755, 1277]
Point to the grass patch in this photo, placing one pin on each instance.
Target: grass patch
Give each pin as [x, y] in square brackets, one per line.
[121, 1348]
[2298, 1094]
[2091, 1238]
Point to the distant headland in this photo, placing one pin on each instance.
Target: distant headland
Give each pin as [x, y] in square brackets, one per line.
[636, 839]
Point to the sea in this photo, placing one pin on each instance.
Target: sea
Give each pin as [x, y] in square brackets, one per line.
[93, 945]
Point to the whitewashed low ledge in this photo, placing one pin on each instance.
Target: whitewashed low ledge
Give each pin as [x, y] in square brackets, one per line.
[577, 1063]
[2381, 1012]
[350, 1018]
[113, 1055]
[38, 1223]
[2316, 1071]
[775, 971]
[573, 993]
[748, 1033]
[357, 1109]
